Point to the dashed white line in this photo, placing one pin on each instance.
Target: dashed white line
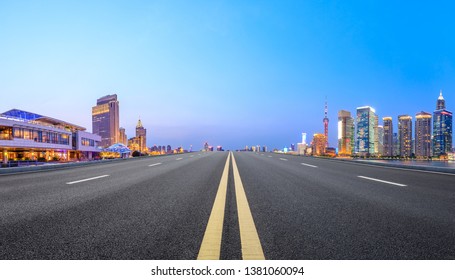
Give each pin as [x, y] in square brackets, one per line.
[270, 156]
[191, 156]
[283, 159]
[88, 179]
[382, 181]
[309, 165]
[179, 158]
[155, 164]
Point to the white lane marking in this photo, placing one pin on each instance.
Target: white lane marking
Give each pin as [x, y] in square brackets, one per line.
[88, 179]
[270, 156]
[155, 164]
[179, 158]
[283, 159]
[198, 154]
[262, 154]
[191, 156]
[309, 165]
[382, 181]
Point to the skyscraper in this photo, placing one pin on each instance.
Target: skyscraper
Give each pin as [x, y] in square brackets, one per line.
[366, 123]
[388, 137]
[380, 130]
[423, 135]
[141, 135]
[376, 135]
[326, 124]
[345, 133]
[396, 145]
[442, 128]
[405, 135]
[105, 119]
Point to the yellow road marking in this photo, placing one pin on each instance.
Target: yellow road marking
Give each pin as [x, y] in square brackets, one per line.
[211, 243]
[249, 238]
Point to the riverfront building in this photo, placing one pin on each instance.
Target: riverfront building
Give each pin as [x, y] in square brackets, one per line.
[366, 128]
[30, 136]
[388, 136]
[318, 144]
[345, 133]
[405, 135]
[442, 128]
[423, 135]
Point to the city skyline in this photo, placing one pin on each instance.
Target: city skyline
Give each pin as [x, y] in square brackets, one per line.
[230, 74]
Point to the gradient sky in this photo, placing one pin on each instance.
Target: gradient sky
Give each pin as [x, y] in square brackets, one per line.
[232, 73]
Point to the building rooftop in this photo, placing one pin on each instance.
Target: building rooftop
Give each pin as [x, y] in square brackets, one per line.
[24, 116]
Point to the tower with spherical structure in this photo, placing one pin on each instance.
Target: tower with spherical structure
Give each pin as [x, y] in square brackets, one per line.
[326, 124]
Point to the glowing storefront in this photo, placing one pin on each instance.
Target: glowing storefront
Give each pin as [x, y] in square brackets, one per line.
[30, 136]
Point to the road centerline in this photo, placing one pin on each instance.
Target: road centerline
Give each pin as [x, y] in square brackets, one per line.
[211, 243]
[249, 238]
[309, 165]
[88, 179]
[155, 164]
[382, 181]
[179, 158]
[283, 159]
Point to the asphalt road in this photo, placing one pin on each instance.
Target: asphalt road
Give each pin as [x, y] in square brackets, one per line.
[159, 208]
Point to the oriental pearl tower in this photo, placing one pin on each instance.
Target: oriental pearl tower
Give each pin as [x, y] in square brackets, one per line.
[326, 124]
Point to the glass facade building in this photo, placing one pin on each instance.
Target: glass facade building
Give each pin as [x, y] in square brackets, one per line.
[366, 126]
[442, 129]
[29, 136]
[388, 137]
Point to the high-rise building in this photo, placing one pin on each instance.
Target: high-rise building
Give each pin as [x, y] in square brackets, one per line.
[380, 131]
[388, 137]
[326, 124]
[396, 145]
[345, 133]
[423, 135]
[105, 120]
[442, 128]
[366, 123]
[123, 138]
[141, 134]
[405, 135]
[319, 143]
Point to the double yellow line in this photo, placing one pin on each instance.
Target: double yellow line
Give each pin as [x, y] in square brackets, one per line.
[249, 238]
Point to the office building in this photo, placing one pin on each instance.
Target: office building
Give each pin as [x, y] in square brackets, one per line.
[30, 136]
[442, 129]
[405, 135]
[123, 137]
[366, 126]
[388, 137]
[105, 120]
[396, 145]
[345, 133]
[423, 135]
[319, 144]
[380, 130]
[141, 134]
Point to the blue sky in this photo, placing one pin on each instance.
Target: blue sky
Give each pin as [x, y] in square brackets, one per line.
[233, 73]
